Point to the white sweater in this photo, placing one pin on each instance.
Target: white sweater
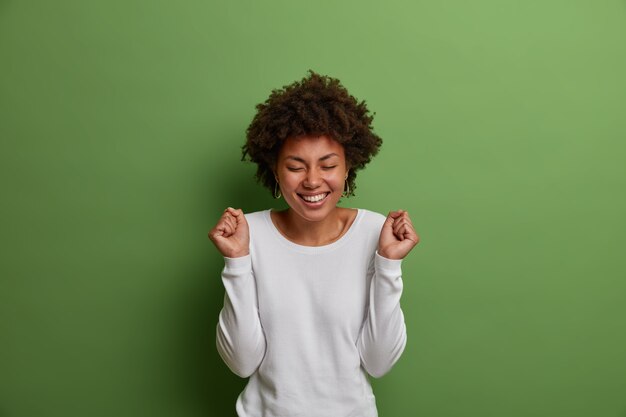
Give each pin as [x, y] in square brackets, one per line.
[306, 323]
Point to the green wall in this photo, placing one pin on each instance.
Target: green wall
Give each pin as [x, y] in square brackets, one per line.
[503, 122]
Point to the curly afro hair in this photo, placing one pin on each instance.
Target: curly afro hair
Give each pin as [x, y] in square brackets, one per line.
[317, 105]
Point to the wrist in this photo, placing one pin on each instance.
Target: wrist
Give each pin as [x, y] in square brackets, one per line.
[239, 254]
[388, 255]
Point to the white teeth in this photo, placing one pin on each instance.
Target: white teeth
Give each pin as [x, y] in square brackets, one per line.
[314, 198]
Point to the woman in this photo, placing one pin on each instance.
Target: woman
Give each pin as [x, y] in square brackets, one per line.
[312, 298]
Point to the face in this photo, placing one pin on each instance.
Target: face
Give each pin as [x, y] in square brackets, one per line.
[311, 172]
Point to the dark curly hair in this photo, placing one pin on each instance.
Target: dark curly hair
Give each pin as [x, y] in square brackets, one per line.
[317, 105]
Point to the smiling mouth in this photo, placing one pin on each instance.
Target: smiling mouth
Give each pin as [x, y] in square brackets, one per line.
[314, 198]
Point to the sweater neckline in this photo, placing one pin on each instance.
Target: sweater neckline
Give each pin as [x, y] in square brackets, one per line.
[313, 249]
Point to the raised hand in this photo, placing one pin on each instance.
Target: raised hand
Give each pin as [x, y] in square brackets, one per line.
[397, 236]
[231, 235]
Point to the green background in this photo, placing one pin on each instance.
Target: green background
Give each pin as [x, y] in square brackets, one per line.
[504, 137]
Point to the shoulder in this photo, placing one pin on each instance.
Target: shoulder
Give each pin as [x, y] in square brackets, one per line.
[372, 219]
[368, 228]
[258, 227]
[256, 218]
[369, 224]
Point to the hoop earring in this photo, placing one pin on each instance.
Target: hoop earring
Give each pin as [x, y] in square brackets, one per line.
[277, 193]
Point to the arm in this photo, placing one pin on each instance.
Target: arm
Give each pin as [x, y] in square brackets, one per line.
[383, 335]
[240, 339]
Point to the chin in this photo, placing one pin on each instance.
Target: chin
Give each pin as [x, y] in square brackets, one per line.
[316, 216]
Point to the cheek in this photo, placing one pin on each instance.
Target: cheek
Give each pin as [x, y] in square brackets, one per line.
[291, 180]
[336, 181]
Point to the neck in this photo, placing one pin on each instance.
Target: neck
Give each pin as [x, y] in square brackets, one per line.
[313, 233]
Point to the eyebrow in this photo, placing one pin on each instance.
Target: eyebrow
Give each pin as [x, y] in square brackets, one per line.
[323, 158]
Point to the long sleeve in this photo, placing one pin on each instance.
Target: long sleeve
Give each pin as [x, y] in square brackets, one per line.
[383, 335]
[240, 339]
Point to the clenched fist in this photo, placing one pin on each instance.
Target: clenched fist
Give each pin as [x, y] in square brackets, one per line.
[397, 236]
[231, 235]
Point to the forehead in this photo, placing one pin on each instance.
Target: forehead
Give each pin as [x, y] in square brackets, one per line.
[311, 147]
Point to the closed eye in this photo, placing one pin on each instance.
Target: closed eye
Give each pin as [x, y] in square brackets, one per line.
[334, 166]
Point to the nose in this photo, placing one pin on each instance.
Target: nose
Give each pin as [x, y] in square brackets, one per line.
[313, 179]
